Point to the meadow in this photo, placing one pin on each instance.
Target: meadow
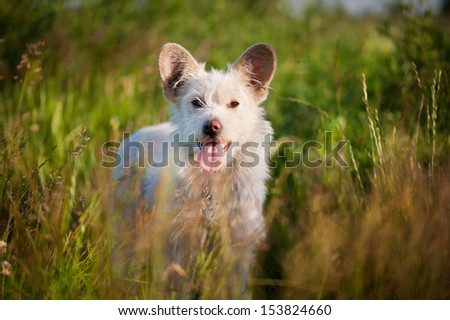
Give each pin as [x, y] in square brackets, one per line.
[74, 75]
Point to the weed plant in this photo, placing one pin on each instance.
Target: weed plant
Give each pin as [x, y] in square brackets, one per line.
[77, 74]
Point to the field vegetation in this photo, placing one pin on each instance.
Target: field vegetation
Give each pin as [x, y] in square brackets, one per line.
[75, 74]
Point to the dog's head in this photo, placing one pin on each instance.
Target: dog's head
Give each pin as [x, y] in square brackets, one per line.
[217, 109]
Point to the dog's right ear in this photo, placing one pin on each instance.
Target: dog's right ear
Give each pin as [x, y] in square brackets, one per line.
[175, 66]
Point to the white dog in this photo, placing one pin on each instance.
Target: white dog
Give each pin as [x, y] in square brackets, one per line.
[207, 167]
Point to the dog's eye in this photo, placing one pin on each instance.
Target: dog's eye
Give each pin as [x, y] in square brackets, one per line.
[197, 103]
[233, 104]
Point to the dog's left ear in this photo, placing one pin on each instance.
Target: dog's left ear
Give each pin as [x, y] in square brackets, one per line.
[258, 64]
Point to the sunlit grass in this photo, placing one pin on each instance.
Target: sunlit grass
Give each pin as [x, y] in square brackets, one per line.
[378, 228]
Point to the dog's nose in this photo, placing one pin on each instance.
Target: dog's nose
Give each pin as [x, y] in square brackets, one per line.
[212, 127]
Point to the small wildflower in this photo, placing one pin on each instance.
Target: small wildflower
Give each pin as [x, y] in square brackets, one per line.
[6, 268]
[80, 145]
[115, 124]
[34, 127]
[3, 246]
[174, 269]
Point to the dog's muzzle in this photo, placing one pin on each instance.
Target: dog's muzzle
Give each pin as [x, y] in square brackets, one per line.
[213, 150]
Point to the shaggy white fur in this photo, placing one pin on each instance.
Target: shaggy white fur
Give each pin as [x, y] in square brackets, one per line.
[212, 156]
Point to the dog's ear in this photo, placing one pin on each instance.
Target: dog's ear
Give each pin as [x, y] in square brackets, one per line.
[175, 65]
[258, 64]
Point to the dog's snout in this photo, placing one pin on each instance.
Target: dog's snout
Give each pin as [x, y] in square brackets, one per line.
[212, 127]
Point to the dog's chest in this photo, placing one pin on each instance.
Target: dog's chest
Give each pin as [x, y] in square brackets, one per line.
[203, 201]
[212, 196]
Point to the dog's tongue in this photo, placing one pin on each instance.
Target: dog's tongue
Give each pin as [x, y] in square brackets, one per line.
[211, 156]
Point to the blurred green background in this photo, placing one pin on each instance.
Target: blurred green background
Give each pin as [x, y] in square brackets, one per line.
[75, 74]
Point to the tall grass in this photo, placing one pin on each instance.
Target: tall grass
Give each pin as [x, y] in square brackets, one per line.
[378, 228]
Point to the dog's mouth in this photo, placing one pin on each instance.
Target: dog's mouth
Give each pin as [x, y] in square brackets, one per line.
[212, 155]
